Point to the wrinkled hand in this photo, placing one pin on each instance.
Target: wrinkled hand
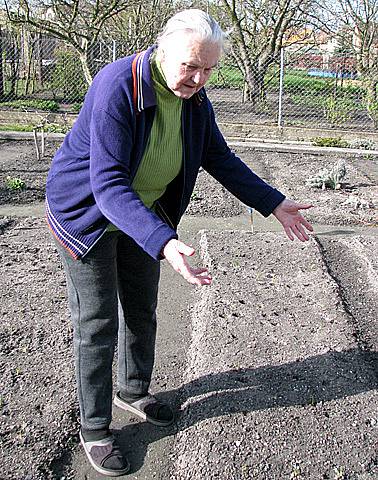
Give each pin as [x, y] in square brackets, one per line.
[175, 252]
[287, 213]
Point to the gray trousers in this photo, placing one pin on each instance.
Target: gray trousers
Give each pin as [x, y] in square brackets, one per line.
[112, 292]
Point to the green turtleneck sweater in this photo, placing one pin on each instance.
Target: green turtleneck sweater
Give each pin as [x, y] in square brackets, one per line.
[162, 158]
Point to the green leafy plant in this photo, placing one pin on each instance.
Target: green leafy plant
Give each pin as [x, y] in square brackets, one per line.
[14, 183]
[328, 177]
[329, 142]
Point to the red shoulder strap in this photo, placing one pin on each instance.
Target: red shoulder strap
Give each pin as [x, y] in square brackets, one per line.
[135, 81]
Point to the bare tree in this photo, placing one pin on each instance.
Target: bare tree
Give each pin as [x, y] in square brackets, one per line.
[138, 27]
[359, 20]
[259, 28]
[77, 22]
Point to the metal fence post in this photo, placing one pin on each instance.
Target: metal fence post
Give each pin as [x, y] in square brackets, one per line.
[280, 94]
[114, 50]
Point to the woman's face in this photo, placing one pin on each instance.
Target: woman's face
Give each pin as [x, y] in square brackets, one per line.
[187, 63]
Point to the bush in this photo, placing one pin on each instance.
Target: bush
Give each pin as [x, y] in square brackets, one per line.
[338, 111]
[67, 78]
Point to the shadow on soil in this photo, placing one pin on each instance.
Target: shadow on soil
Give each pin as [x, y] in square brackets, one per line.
[322, 378]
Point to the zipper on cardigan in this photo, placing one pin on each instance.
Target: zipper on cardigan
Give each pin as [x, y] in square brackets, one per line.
[183, 152]
[162, 212]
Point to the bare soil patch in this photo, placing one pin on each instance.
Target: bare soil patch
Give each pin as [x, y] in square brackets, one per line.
[289, 394]
[38, 410]
[18, 160]
[38, 401]
[355, 203]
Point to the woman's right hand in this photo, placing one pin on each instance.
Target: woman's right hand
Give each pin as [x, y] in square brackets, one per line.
[175, 252]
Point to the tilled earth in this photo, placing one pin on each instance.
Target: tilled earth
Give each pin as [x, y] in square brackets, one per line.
[292, 392]
[281, 373]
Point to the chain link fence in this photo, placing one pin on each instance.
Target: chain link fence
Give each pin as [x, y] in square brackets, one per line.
[298, 88]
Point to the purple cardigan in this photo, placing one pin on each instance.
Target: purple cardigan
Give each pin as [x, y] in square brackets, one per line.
[89, 183]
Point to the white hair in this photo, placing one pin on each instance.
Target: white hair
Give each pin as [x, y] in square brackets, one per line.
[196, 22]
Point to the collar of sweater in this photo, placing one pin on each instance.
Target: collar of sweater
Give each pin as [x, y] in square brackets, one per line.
[163, 93]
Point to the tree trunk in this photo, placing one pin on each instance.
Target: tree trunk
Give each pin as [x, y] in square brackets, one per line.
[29, 70]
[371, 91]
[254, 89]
[14, 66]
[1, 66]
[39, 60]
[86, 70]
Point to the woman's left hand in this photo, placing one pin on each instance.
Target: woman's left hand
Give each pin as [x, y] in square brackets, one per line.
[287, 213]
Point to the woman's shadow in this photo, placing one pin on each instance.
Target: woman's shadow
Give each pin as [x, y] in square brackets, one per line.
[321, 378]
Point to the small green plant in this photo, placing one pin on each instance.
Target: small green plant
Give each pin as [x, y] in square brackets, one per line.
[195, 196]
[296, 472]
[339, 473]
[328, 177]
[14, 183]
[329, 142]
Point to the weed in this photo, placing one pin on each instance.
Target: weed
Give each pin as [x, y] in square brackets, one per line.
[195, 196]
[14, 183]
[296, 472]
[339, 473]
[312, 401]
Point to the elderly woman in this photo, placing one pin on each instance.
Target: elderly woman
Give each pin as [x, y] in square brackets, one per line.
[116, 191]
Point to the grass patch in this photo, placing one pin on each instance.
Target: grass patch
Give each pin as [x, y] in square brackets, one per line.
[45, 105]
[50, 128]
[226, 76]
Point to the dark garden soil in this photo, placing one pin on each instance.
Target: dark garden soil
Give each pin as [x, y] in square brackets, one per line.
[280, 377]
